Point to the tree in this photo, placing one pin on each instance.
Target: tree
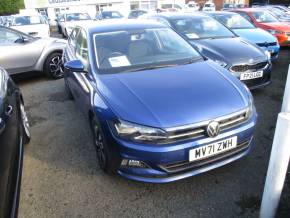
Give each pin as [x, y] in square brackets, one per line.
[8, 7]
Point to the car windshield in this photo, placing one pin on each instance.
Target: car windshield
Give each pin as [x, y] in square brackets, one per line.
[77, 16]
[111, 15]
[229, 5]
[234, 21]
[200, 28]
[264, 17]
[141, 49]
[208, 5]
[276, 12]
[27, 20]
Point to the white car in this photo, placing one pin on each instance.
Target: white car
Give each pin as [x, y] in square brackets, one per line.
[70, 19]
[193, 6]
[209, 6]
[33, 25]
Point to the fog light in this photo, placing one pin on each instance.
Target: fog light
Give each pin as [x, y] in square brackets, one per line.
[133, 163]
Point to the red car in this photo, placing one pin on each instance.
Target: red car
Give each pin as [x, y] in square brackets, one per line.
[265, 20]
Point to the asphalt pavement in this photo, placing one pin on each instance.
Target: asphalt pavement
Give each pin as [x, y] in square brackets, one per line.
[61, 177]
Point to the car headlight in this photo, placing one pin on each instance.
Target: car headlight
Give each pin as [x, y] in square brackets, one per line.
[135, 132]
[250, 107]
[275, 31]
[3, 82]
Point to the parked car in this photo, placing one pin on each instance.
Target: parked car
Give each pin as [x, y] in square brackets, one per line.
[279, 14]
[248, 31]
[34, 25]
[193, 6]
[136, 13]
[22, 53]
[2, 23]
[250, 64]
[159, 112]
[108, 14]
[169, 6]
[228, 6]
[14, 133]
[264, 20]
[70, 19]
[208, 6]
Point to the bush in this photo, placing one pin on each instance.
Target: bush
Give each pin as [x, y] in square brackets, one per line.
[8, 7]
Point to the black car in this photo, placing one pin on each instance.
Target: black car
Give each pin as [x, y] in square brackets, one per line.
[14, 133]
[214, 41]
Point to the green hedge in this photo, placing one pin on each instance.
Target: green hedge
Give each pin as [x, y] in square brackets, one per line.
[8, 7]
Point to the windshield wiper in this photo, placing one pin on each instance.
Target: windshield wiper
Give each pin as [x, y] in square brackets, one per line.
[150, 67]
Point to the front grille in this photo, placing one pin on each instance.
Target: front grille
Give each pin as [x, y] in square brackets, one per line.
[267, 44]
[186, 165]
[199, 129]
[251, 67]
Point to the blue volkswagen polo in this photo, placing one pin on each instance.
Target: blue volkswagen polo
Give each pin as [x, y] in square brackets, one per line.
[159, 111]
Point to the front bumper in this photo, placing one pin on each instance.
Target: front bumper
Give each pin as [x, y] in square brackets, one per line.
[257, 82]
[167, 163]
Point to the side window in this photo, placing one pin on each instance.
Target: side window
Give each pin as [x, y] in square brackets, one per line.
[8, 37]
[73, 37]
[82, 47]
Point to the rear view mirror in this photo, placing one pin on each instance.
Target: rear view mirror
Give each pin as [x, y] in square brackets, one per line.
[75, 66]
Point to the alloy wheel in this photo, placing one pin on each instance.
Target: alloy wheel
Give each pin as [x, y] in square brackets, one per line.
[56, 67]
[99, 145]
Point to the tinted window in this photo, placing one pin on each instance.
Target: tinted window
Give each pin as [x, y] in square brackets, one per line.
[81, 46]
[27, 20]
[77, 16]
[111, 15]
[8, 37]
[149, 47]
[234, 21]
[200, 27]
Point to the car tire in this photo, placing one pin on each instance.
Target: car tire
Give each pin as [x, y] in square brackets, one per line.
[108, 159]
[53, 66]
[25, 124]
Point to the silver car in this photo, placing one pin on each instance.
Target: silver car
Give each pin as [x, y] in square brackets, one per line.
[22, 53]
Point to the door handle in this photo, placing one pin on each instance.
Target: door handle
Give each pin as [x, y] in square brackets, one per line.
[9, 110]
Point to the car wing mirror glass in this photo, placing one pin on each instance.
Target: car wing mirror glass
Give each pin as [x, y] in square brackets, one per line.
[74, 66]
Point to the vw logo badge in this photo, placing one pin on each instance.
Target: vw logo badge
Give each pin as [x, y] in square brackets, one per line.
[213, 129]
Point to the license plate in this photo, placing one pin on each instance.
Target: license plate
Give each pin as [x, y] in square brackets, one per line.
[206, 151]
[251, 75]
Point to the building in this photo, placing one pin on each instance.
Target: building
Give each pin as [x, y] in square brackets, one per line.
[53, 7]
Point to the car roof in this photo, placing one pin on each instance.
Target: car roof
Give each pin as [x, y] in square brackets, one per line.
[221, 12]
[249, 9]
[119, 25]
[177, 15]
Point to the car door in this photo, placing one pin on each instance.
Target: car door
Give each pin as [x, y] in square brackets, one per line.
[79, 82]
[19, 52]
[10, 147]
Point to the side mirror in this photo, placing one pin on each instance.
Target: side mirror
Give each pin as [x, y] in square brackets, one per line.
[75, 66]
